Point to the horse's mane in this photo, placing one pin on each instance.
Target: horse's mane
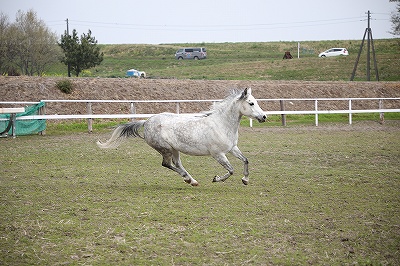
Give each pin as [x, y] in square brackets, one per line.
[222, 105]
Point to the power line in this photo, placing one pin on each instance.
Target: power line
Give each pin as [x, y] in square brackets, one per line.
[210, 26]
[235, 27]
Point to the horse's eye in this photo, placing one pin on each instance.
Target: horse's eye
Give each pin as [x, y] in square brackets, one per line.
[251, 104]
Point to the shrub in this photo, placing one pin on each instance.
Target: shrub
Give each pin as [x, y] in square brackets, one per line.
[65, 86]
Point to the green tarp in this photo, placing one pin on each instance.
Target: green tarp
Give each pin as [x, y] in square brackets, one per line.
[25, 127]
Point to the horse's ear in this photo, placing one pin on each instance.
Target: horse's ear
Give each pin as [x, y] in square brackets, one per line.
[245, 93]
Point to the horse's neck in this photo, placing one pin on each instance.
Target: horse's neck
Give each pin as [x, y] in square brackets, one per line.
[230, 119]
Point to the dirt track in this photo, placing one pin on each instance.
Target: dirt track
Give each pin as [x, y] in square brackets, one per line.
[41, 88]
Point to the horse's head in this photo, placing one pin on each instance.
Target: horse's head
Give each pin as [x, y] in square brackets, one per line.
[249, 106]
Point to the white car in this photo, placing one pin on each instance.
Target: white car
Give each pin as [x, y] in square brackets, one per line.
[334, 52]
[135, 73]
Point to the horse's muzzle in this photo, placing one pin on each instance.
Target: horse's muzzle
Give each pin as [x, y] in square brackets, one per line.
[261, 119]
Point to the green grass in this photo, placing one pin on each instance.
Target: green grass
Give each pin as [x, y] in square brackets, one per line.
[68, 127]
[274, 120]
[255, 61]
[317, 195]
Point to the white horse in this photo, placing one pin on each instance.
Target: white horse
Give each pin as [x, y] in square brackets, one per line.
[215, 134]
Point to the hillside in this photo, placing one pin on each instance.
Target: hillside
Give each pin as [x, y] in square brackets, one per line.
[40, 88]
[246, 61]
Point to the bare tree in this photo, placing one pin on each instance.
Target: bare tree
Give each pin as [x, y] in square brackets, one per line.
[30, 46]
[4, 26]
[395, 18]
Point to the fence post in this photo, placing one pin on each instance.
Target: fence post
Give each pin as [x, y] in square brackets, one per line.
[42, 111]
[381, 115]
[13, 121]
[316, 114]
[177, 108]
[90, 120]
[350, 114]
[298, 50]
[133, 110]
[282, 104]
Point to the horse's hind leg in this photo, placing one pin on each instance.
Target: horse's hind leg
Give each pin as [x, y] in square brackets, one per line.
[168, 158]
[186, 176]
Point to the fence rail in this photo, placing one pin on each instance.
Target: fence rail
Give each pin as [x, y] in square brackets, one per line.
[133, 115]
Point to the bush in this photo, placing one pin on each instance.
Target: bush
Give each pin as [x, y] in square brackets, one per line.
[65, 86]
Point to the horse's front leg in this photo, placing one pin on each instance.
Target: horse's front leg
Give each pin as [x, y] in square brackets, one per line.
[238, 154]
[221, 158]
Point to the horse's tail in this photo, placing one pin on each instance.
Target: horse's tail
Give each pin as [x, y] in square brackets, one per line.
[122, 132]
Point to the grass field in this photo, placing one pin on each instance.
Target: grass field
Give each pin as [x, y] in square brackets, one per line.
[325, 195]
[254, 61]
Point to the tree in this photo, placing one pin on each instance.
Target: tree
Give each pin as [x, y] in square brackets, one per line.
[81, 53]
[395, 18]
[4, 26]
[27, 44]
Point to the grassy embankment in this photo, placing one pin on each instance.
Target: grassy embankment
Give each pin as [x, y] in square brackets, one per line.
[254, 61]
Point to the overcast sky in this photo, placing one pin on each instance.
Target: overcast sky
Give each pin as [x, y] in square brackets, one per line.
[183, 21]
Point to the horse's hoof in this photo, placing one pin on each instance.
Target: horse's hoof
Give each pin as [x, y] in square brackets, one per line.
[245, 182]
[191, 182]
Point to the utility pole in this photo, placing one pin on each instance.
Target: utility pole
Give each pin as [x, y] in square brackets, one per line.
[69, 66]
[370, 42]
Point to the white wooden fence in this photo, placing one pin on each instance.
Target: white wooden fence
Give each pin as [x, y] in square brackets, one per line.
[133, 103]
[380, 103]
